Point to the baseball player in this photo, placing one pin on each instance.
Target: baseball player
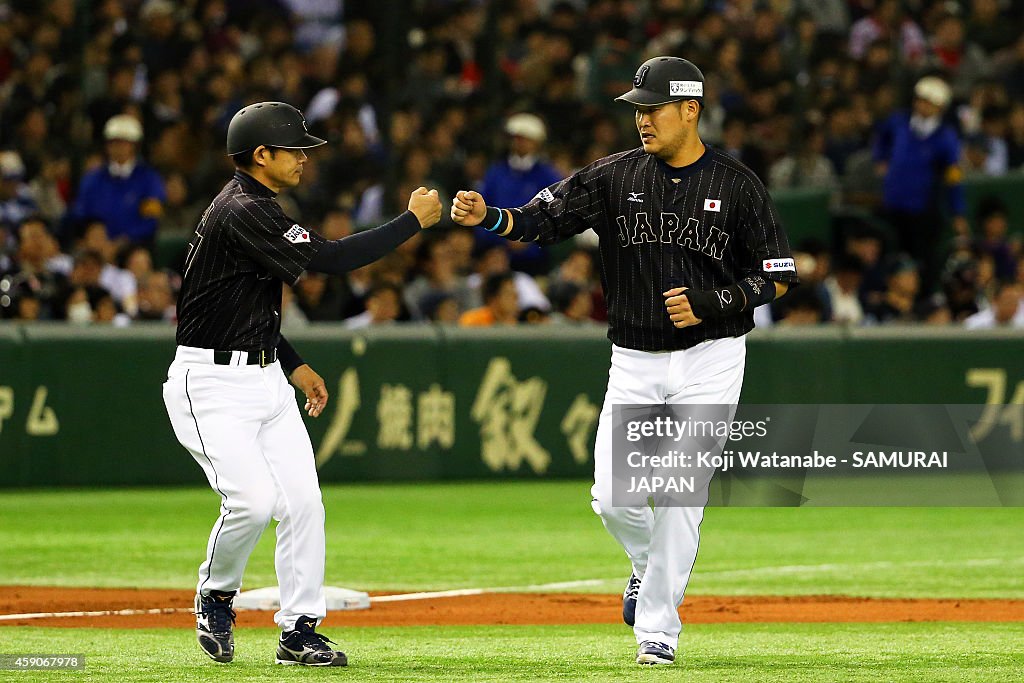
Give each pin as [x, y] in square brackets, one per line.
[227, 390]
[690, 244]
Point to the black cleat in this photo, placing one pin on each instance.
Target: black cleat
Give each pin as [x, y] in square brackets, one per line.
[629, 600]
[304, 646]
[653, 652]
[214, 622]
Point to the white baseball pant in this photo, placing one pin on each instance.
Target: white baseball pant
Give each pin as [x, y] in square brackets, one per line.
[242, 425]
[661, 543]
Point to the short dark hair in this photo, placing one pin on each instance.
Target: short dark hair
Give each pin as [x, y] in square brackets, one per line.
[244, 159]
[494, 283]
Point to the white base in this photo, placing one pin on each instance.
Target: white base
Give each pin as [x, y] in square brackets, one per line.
[269, 599]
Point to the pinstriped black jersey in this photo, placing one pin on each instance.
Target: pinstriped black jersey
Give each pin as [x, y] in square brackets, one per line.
[244, 248]
[703, 226]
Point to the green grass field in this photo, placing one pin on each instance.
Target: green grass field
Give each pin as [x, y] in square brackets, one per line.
[438, 536]
[810, 653]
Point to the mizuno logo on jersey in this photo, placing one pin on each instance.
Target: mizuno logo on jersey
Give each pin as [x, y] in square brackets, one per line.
[694, 235]
[545, 195]
[712, 205]
[297, 234]
[778, 264]
[635, 197]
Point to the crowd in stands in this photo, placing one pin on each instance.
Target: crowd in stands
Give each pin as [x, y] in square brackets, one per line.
[113, 120]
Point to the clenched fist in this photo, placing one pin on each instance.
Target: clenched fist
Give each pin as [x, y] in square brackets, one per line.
[468, 208]
[426, 206]
[678, 307]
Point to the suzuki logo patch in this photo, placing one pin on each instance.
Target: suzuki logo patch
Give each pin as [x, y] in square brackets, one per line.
[713, 205]
[778, 264]
[297, 234]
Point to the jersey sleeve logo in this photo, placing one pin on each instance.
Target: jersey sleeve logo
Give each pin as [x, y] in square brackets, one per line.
[713, 205]
[778, 264]
[297, 234]
[545, 195]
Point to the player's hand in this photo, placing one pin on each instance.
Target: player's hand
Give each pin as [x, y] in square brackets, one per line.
[426, 206]
[678, 307]
[468, 208]
[312, 385]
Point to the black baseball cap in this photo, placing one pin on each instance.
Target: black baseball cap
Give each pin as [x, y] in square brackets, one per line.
[273, 124]
[665, 79]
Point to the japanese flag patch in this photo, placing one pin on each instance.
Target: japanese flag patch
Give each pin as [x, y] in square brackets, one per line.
[768, 265]
[297, 234]
[712, 205]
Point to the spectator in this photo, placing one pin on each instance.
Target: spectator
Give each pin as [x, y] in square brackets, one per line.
[960, 285]
[16, 202]
[988, 27]
[501, 303]
[572, 304]
[33, 268]
[125, 193]
[440, 307]
[439, 277]
[735, 141]
[804, 308]
[843, 287]
[1006, 310]
[515, 180]
[383, 306]
[319, 297]
[919, 156]
[494, 261]
[887, 20]
[899, 302]
[120, 283]
[156, 298]
[808, 167]
[992, 221]
[961, 63]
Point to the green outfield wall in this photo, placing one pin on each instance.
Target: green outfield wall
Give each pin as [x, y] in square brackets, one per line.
[83, 407]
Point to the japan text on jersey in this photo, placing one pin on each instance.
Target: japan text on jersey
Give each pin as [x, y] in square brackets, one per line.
[703, 226]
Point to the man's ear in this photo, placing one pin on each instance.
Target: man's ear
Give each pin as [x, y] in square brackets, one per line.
[692, 109]
[261, 155]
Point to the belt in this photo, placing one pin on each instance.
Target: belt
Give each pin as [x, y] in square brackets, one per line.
[262, 357]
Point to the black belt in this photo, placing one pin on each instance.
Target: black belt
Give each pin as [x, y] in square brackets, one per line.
[262, 358]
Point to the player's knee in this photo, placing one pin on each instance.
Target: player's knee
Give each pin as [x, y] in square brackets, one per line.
[309, 508]
[601, 494]
[256, 507]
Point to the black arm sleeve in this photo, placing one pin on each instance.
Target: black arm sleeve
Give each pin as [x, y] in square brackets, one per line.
[289, 357]
[337, 257]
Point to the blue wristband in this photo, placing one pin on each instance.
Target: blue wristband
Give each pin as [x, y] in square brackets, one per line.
[496, 221]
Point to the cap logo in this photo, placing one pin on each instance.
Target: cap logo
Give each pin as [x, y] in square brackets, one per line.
[641, 76]
[686, 89]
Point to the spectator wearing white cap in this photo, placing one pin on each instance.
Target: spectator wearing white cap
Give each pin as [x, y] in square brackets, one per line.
[126, 193]
[918, 153]
[515, 180]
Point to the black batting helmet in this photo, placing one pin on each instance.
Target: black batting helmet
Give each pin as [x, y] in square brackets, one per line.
[274, 124]
[665, 79]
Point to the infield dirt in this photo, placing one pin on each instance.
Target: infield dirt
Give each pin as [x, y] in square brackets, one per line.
[496, 608]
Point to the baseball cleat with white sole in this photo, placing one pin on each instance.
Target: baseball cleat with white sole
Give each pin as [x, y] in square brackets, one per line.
[305, 647]
[214, 622]
[653, 652]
